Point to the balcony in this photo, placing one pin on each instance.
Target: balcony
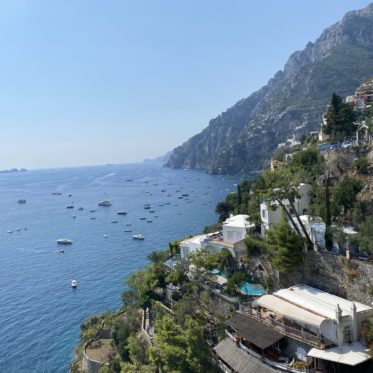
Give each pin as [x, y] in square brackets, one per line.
[281, 325]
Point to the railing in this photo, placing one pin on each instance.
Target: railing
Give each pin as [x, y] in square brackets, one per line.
[289, 331]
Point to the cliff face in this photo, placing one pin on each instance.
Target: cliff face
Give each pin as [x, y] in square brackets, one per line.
[242, 138]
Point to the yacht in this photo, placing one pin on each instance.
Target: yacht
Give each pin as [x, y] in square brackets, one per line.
[64, 241]
[121, 212]
[138, 237]
[74, 283]
[104, 202]
[21, 201]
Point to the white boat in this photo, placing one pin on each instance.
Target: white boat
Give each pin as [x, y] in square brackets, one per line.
[74, 283]
[122, 212]
[138, 237]
[21, 201]
[147, 206]
[104, 202]
[106, 236]
[64, 241]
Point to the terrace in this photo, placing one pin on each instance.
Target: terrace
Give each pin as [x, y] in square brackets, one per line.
[283, 325]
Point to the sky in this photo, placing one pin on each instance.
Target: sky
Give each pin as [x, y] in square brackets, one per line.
[88, 82]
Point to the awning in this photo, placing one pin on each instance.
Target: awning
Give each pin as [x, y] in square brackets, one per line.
[254, 331]
[350, 354]
[289, 310]
[239, 360]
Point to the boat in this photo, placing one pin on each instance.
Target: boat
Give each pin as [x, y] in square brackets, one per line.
[80, 208]
[73, 216]
[121, 212]
[92, 210]
[70, 207]
[104, 202]
[128, 230]
[64, 241]
[152, 211]
[149, 221]
[114, 221]
[128, 224]
[17, 230]
[142, 218]
[138, 237]
[69, 195]
[147, 206]
[92, 218]
[9, 231]
[61, 251]
[21, 201]
[106, 236]
[56, 194]
[74, 284]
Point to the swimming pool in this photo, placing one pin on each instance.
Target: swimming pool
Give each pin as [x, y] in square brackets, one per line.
[252, 289]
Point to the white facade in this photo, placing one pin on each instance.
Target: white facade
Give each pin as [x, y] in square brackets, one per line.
[235, 228]
[271, 215]
[333, 318]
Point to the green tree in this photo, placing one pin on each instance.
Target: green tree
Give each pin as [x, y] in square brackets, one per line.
[235, 280]
[179, 350]
[365, 236]
[362, 165]
[340, 118]
[282, 185]
[223, 209]
[286, 246]
[136, 351]
[344, 194]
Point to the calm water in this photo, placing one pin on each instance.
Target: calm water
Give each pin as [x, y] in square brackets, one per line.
[40, 313]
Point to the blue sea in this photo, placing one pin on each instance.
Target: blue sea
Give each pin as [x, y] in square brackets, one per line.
[40, 314]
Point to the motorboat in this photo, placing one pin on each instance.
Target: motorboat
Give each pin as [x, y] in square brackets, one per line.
[64, 241]
[70, 207]
[93, 218]
[121, 212]
[138, 237]
[149, 221]
[128, 224]
[152, 211]
[56, 194]
[147, 206]
[80, 208]
[142, 218]
[92, 210]
[104, 202]
[106, 236]
[21, 201]
[74, 284]
[61, 251]
[128, 230]
[114, 221]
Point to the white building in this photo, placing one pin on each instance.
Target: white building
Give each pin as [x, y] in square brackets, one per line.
[235, 228]
[319, 316]
[270, 213]
[232, 238]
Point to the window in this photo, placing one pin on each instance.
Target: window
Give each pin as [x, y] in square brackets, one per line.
[347, 337]
[264, 214]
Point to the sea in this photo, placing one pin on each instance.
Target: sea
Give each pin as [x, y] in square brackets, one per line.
[40, 313]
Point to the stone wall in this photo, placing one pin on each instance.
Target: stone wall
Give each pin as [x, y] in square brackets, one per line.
[351, 279]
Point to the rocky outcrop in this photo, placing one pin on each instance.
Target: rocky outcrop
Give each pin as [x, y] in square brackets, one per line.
[242, 138]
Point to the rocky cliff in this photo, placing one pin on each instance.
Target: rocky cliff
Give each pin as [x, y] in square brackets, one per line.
[242, 138]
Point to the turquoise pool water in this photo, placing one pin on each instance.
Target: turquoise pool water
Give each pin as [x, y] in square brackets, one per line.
[252, 289]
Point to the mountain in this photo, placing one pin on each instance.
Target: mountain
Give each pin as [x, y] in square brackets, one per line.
[242, 138]
[160, 159]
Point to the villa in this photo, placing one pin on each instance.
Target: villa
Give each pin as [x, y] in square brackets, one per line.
[232, 237]
[322, 331]
[271, 212]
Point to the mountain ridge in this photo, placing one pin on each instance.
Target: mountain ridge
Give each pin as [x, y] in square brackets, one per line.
[241, 138]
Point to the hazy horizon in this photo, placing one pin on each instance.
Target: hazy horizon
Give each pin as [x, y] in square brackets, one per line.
[89, 83]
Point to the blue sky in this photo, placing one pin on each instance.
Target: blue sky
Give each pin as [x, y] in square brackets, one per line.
[85, 82]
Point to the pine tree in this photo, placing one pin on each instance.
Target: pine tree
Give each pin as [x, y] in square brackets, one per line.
[286, 246]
